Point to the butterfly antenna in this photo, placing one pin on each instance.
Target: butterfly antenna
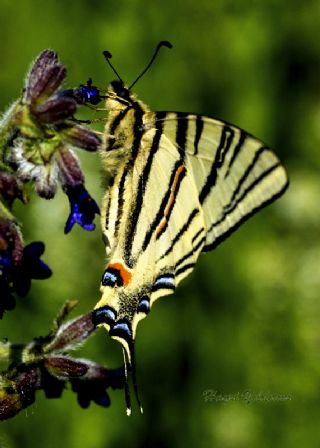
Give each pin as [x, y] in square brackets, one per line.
[163, 43]
[108, 56]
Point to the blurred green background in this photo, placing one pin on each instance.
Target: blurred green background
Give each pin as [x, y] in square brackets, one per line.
[247, 319]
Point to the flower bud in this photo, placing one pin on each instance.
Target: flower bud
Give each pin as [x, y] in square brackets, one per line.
[44, 78]
[70, 173]
[71, 334]
[55, 110]
[11, 188]
[19, 393]
[46, 182]
[65, 367]
[82, 138]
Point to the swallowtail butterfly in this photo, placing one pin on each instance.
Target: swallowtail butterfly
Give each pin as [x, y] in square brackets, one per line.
[180, 183]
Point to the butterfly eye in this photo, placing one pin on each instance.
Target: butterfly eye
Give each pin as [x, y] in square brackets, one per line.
[104, 315]
[120, 90]
[144, 305]
[124, 93]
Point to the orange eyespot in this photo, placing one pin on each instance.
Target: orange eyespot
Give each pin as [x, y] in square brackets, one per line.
[124, 273]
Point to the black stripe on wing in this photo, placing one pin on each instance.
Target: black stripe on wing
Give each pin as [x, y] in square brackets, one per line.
[113, 127]
[226, 139]
[107, 212]
[137, 132]
[182, 130]
[200, 231]
[244, 218]
[181, 118]
[228, 209]
[184, 268]
[190, 253]
[245, 175]
[198, 134]
[160, 214]
[121, 192]
[143, 181]
[237, 149]
[183, 229]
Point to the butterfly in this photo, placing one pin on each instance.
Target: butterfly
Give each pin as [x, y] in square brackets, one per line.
[180, 183]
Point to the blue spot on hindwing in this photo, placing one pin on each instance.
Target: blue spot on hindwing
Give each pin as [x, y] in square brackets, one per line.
[112, 277]
[164, 281]
[122, 329]
[104, 315]
[144, 305]
[109, 279]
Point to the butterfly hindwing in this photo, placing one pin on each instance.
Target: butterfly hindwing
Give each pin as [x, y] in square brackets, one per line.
[176, 217]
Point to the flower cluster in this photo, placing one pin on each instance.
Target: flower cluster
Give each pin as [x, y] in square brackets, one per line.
[44, 365]
[37, 137]
[38, 134]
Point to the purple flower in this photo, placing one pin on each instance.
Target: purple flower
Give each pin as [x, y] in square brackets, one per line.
[31, 267]
[94, 388]
[44, 78]
[18, 265]
[90, 391]
[83, 209]
[42, 132]
[45, 364]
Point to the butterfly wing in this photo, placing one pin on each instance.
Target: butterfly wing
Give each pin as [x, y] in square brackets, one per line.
[193, 182]
[235, 174]
[164, 206]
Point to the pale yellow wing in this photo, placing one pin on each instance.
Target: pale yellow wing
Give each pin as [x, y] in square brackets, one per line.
[235, 174]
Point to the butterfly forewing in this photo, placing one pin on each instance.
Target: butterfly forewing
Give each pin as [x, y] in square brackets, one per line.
[234, 173]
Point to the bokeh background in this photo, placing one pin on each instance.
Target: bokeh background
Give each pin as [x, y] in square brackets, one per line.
[247, 319]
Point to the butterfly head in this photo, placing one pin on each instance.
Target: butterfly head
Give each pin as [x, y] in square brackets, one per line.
[119, 98]
[120, 90]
